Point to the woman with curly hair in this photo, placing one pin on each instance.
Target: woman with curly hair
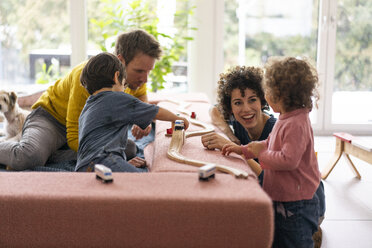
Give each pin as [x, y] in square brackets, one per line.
[241, 104]
[292, 177]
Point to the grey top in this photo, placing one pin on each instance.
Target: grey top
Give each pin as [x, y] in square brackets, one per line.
[104, 122]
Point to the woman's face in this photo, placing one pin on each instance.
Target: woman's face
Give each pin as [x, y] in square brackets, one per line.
[247, 110]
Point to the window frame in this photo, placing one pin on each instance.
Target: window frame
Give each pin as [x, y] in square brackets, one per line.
[326, 64]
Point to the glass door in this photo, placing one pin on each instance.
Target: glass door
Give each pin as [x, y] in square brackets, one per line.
[352, 87]
[348, 89]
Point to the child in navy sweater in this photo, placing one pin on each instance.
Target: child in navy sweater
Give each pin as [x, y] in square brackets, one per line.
[107, 114]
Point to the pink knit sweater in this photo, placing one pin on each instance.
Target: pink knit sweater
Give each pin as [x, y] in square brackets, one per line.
[290, 163]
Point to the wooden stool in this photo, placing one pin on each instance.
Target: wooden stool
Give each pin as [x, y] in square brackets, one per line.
[348, 145]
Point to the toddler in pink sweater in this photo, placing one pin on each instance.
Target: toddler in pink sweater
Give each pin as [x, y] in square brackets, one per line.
[292, 177]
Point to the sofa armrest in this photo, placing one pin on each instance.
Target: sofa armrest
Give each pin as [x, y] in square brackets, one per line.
[56, 209]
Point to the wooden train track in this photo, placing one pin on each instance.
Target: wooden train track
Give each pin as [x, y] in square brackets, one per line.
[179, 138]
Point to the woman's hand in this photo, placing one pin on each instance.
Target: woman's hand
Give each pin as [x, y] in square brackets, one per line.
[220, 123]
[214, 141]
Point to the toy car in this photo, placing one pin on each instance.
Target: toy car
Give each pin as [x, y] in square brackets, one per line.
[103, 173]
[179, 125]
[207, 171]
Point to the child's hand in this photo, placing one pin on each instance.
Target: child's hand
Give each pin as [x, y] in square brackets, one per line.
[138, 162]
[138, 133]
[185, 121]
[255, 148]
[229, 148]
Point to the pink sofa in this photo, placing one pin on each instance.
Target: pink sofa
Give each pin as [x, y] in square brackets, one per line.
[168, 207]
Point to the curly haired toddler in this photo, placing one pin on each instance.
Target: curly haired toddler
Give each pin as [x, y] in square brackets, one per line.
[292, 177]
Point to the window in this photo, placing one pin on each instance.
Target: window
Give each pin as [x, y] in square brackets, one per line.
[352, 85]
[36, 45]
[335, 34]
[35, 37]
[269, 28]
[165, 19]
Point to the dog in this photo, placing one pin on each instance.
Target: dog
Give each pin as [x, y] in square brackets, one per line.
[14, 116]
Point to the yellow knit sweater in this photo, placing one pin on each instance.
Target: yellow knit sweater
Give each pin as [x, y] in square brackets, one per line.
[65, 100]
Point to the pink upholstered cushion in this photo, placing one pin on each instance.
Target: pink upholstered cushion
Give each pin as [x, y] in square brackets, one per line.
[54, 209]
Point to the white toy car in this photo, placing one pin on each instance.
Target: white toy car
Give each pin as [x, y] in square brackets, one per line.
[207, 171]
[103, 173]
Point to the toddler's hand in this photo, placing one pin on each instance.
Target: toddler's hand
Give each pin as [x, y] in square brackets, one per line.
[229, 148]
[255, 148]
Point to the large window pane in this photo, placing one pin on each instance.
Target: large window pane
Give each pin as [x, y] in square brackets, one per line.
[167, 20]
[34, 35]
[352, 89]
[256, 30]
[269, 28]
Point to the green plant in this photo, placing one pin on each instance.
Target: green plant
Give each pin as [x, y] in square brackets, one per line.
[46, 76]
[118, 17]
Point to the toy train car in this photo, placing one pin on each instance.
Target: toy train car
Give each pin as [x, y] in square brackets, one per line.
[207, 171]
[103, 173]
[179, 125]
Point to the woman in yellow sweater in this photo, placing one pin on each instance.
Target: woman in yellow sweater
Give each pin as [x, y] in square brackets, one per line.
[54, 119]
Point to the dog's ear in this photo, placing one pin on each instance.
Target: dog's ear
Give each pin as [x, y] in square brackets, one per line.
[12, 98]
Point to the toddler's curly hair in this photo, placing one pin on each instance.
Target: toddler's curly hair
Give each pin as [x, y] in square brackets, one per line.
[239, 77]
[292, 80]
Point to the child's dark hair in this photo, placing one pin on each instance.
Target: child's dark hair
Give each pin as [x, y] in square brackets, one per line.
[100, 70]
[239, 77]
[292, 81]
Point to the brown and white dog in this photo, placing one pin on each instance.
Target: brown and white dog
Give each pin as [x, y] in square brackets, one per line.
[14, 116]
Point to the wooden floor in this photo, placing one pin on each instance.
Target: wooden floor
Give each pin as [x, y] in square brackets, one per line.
[348, 217]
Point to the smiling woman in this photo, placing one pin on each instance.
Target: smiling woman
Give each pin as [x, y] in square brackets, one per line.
[241, 104]
[247, 110]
